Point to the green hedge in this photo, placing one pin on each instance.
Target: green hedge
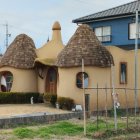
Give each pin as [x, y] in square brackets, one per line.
[65, 103]
[18, 98]
[49, 97]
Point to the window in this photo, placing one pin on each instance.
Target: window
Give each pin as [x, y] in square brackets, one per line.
[6, 81]
[79, 80]
[123, 73]
[103, 33]
[132, 31]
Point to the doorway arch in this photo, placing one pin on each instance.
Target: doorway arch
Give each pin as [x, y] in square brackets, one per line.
[51, 81]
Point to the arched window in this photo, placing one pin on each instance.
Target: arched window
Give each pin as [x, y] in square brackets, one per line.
[6, 81]
[79, 80]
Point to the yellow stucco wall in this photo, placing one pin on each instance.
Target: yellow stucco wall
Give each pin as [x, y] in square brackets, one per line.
[23, 80]
[41, 85]
[41, 82]
[120, 55]
[52, 48]
[102, 76]
[50, 51]
[67, 85]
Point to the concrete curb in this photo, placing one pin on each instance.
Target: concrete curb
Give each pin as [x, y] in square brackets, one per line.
[37, 119]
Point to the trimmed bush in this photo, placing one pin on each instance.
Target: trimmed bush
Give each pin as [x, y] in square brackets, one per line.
[51, 98]
[119, 111]
[65, 103]
[40, 98]
[18, 97]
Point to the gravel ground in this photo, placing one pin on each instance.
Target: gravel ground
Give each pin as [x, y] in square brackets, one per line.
[9, 110]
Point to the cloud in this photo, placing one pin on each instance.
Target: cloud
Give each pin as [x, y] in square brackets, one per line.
[36, 17]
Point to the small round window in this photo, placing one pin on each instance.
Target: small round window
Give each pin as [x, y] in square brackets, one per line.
[79, 80]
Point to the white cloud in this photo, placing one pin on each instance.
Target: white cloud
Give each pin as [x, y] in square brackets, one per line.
[35, 17]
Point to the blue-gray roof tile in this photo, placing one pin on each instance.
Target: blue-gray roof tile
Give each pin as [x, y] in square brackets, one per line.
[126, 9]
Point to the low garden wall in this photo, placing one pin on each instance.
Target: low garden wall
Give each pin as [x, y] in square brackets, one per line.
[39, 119]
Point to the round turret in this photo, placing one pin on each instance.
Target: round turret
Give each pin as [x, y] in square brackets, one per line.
[84, 44]
[20, 54]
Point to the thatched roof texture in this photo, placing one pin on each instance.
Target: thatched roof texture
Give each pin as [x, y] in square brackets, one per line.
[20, 54]
[84, 44]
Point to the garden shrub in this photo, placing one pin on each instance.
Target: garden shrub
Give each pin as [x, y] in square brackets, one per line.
[49, 97]
[18, 97]
[119, 111]
[65, 103]
[40, 98]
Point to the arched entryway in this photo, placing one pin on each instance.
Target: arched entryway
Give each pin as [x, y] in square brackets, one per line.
[51, 81]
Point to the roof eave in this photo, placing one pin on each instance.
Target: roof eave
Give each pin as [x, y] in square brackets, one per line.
[102, 18]
[45, 62]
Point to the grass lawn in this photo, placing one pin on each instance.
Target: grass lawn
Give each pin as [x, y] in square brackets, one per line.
[73, 130]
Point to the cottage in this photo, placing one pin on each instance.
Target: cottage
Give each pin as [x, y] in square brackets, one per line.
[56, 69]
[115, 29]
[98, 60]
[17, 66]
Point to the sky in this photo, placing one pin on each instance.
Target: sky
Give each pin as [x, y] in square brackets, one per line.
[36, 17]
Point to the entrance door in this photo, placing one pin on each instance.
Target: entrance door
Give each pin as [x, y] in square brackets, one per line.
[51, 81]
[87, 102]
[87, 105]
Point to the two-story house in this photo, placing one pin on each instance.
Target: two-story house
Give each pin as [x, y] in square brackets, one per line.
[114, 26]
[116, 29]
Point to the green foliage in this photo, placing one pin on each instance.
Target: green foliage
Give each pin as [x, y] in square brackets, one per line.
[49, 97]
[40, 98]
[92, 128]
[24, 133]
[65, 103]
[67, 128]
[18, 97]
[59, 129]
[120, 112]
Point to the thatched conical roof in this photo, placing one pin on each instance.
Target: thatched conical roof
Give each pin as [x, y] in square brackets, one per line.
[84, 44]
[20, 54]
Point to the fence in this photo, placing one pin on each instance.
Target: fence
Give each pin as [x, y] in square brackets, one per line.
[128, 113]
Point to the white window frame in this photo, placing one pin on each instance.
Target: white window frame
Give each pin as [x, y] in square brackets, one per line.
[102, 35]
[132, 30]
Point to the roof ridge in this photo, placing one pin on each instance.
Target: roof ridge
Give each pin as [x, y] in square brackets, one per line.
[118, 6]
[108, 9]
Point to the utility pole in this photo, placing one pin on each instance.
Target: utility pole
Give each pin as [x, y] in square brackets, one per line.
[7, 35]
[114, 97]
[136, 62]
[83, 83]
